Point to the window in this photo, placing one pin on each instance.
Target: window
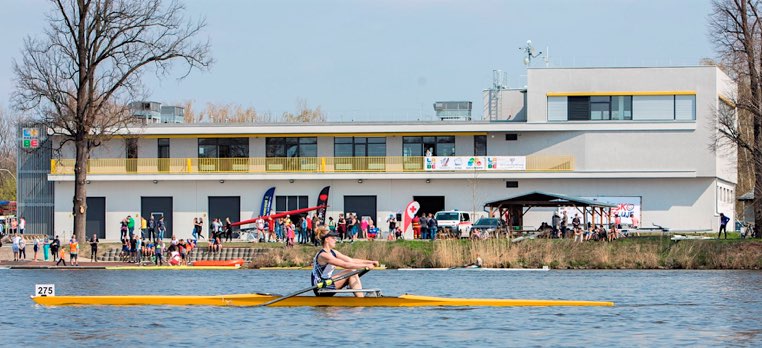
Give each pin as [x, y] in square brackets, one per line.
[511, 184]
[223, 147]
[480, 145]
[511, 137]
[163, 154]
[622, 107]
[359, 147]
[223, 154]
[131, 152]
[598, 108]
[435, 146]
[291, 147]
[287, 203]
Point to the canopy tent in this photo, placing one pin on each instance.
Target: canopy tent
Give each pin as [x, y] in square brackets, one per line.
[517, 206]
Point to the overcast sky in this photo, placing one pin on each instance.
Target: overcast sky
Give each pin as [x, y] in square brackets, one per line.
[394, 58]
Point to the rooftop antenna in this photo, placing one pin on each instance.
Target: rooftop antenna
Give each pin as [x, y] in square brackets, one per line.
[531, 53]
[547, 56]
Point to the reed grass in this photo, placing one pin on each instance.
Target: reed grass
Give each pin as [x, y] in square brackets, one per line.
[636, 253]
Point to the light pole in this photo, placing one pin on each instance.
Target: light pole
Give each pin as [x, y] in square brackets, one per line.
[9, 172]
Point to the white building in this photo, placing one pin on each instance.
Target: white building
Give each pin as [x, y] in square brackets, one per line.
[641, 135]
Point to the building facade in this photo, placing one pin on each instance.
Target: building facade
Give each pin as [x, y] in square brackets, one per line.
[634, 135]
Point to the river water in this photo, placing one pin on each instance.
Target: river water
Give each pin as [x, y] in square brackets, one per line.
[653, 308]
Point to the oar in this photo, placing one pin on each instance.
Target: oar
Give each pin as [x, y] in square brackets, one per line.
[319, 285]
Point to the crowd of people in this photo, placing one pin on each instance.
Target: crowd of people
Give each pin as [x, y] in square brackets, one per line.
[560, 228]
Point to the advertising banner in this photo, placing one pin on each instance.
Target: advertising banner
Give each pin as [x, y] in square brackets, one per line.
[459, 163]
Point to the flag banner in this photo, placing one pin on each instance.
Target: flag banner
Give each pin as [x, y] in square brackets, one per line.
[267, 202]
[407, 218]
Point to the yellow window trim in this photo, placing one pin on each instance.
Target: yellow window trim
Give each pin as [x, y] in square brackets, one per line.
[619, 93]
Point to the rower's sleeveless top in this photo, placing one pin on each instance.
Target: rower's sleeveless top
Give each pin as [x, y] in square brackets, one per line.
[322, 272]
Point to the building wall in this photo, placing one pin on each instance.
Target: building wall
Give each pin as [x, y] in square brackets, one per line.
[680, 204]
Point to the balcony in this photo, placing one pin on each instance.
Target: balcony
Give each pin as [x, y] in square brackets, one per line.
[388, 164]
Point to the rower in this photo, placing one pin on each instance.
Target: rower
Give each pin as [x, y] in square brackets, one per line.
[326, 261]
[478, 261]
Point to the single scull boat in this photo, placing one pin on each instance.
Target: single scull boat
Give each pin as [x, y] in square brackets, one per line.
[301, 301]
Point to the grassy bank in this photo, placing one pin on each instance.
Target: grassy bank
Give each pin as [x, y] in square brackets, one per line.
[633, 253]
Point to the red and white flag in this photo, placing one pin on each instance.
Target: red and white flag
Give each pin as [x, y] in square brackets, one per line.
[407, 218]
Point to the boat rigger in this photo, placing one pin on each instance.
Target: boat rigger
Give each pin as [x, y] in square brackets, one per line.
[302, 301]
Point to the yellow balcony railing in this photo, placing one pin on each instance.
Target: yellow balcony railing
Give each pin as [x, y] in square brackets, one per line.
[387, 164]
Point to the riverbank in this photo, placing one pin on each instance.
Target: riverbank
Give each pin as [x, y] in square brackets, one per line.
[630, 253]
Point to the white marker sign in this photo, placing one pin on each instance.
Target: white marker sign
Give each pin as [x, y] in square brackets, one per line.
[44, 289]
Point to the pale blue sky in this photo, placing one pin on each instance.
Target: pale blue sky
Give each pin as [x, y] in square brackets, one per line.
[365, 59]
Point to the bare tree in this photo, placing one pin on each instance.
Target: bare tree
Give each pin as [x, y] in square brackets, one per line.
[8, 126]
[81, 74]
[304, 113]
[736, 27]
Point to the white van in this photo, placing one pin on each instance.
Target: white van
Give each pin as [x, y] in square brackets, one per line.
[458, 222]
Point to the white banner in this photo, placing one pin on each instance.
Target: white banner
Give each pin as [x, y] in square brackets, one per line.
[507, 163]
[456, 163]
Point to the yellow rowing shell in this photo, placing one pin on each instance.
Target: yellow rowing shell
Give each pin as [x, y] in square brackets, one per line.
[301, 301]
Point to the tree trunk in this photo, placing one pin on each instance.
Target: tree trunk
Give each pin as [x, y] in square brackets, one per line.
[757, 198]
[80, 190]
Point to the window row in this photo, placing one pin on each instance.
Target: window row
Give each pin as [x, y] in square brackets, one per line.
[290, 147]
[615, 108]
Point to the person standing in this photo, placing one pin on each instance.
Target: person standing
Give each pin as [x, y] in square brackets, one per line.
[342, 227]
[143, 227]
[130, 225]
[723, 225]
[555, 222]
[36, 247]
[22, 248]
[564, 223]
[54, 246]
[94, 247]
[46, 248]
[392, 220]
[576, 223]
[73, 251]
[15, 247]
[229, 229]
[151, 228]
[22, 225]
[123, 229]
[433, 226]
[161, 228]
[416, 227]
[201, 228]
[424, 226]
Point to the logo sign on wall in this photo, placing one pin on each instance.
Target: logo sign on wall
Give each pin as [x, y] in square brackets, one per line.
[30, 138]
[455, 163]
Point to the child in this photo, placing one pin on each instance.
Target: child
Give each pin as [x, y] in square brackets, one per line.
[61, 258]
[158, 252]
[290, 235]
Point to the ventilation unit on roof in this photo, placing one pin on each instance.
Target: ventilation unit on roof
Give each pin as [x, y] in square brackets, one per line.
[453, 110]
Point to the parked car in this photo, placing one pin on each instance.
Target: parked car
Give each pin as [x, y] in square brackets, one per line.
[458, 223]
[487, 225]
